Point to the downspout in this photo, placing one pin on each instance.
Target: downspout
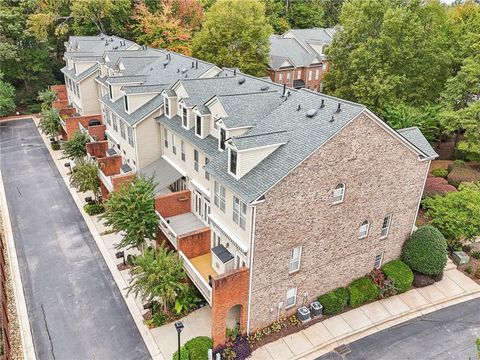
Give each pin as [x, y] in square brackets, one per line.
[252, 245]
[420, 197]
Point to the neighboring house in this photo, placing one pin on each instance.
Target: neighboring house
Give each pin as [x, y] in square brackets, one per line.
[271, 196]
[297, 58]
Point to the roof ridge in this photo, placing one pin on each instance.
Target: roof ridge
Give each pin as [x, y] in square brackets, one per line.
[248, 93]
[332, 97]
[262, 134]
[408, 128]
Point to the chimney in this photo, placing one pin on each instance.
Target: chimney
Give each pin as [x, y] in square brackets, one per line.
[322, 105]
[339, 107]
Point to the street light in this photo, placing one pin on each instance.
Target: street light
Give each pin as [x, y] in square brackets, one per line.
[179, 326]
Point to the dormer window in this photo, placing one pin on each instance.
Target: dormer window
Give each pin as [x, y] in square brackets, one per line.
[110, 92]
[198, 125]
[223, 137]
[125, 100]
[232, 161]
[184, 117]
[166, 107]
[75, 68]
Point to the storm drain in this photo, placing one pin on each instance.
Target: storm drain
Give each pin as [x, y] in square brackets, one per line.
[342, 350]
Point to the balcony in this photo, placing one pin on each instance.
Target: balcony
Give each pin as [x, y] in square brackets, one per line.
[199, 270]
[180, 226]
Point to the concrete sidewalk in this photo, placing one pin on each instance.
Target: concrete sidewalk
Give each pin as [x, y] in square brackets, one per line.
[355, 324]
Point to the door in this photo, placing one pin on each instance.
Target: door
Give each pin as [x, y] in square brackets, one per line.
[198, 204]
[206, 210]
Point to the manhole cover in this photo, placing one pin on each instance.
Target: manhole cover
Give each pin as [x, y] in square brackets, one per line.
[342, 350]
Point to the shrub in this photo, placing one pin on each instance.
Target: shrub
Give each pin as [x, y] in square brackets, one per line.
[384, 284]
[440, 173]
[242, 348]
[55, 145]
[334, 301]
[456, 164]
[476, 255]
[437, 186]
[361, 291]
[198, 347]
[469, 269]
[462, 174]
[477, 273]
[400, 275]
[183, 354]
[93, 209]
[426, 251]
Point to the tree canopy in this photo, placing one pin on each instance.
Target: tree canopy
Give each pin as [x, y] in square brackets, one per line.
[85, 177]
[7, 93]
[74, 148]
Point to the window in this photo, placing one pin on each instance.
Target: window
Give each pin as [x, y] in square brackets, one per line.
[165, 137]
[219, 196]
[295, 259]
[107, 116]
[184, 117]
[78, 90]
[378, 261]
[280, 77]
[215, 123]
[122, 129]
[309, 74]
[317, 74]
[385, 226]
[110, 91]
[338, 194]
[233, 161]
[130, 136]
[288, 76]
[223, 137]
[291, 297]
[198, 125]
[125, 99]
[167, 107]
[239, 212]
[195, 159]
[324, 66]
[363, 231]
[299, 74]
[182, 149]
[207, 175]
[114, 120]
[174, 147]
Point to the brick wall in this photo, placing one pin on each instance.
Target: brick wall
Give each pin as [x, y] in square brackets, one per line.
[110, 165]
[67, 111]
[97, 148]
[72, 123]
[120, 179]
[195, 243]
[59, 104]
[228, 290]
[97, 132]
[382, 177]
[104, 191]
[173, 204]
[313, 84]
[61, 91]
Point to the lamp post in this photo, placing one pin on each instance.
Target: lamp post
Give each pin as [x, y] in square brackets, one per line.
[179, 326]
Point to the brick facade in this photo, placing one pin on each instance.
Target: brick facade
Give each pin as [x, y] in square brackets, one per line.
[228, 290]
[313, 84]
[120, 179]
[97, 132]
[61, 91]
[72, 123]
[104, 191]
[97, 148]
[382, 177]
[60, 104]
[110, 165]
[195, 243]
[173, 204]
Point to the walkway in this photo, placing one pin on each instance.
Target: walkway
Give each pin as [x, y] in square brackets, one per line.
[75, 309]
[371, 318]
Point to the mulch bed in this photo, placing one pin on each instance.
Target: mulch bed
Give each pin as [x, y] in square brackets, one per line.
[474, 264]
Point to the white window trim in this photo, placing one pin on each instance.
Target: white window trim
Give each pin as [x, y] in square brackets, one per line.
[237, 166]
[366, 233]
[292, 260]
[240, 213]
[184, 108]
[174, 144]
[380, 261]
[126, 103]
[220, 138]
[294, 298]
[336, 192]
[387, 228]
[196, 165]
[201, 132]
[165, 138]
[183, 155]
[166, 106]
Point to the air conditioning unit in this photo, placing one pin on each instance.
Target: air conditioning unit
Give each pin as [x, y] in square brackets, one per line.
[303, 314]
[316, 309]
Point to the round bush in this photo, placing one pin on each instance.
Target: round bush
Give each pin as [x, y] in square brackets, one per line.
[426, 251]
[183, 354]
[198, 347]
[334, 301]
[399, 274]
[440, 172]
[93, 209]
[361, 291]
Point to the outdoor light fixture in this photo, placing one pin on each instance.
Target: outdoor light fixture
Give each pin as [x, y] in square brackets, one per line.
[148, 305]
[179, 326]
[121, 255]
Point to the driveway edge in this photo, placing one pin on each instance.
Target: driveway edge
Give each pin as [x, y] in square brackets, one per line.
[21, 305]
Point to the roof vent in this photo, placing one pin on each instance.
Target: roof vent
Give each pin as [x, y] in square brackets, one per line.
[311, 113]
[241, 80]
[165, 63]
[184, 70]
[264, 87]
[178, 70]
[299, 107]
[151, 69]
[196, 64]
[339, 107]
[322, 105]
[193, 64]
[234, 72]
[331, 120]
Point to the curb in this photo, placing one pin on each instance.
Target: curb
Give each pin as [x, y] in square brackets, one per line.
[407, 315]
[147, 337]
[21, 305]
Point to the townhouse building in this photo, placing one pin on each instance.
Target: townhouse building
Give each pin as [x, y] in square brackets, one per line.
[297, 57]
[270, 195]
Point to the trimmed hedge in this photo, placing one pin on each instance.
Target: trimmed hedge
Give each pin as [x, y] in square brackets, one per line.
[198, 347]
[461, 174]
[334, 301]
[183, 354]
[399, 274]
[94, 209]
[437, 186]
[440, 172]
[361, 291]
[426, 251]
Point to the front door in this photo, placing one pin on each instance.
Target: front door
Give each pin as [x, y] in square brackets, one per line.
[198, 204]
[206, 210]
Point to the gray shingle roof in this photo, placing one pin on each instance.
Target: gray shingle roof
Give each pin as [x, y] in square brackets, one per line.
[71, 72]
[314, 36]
[416, 138]
[254, 141]
[97, 45]
[288, 49]
[118, 108]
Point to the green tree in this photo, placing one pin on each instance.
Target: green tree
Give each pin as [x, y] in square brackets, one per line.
[304, 14]
[332, 9]
[131, 210]
[7, 94]
[235, 34]
[75, 148]
[85, 178]
[50, 123]
[390, 52]
[46, 97]
[158, 275]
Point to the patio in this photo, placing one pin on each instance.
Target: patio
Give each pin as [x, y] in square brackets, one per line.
[184, 223]
[203, 264]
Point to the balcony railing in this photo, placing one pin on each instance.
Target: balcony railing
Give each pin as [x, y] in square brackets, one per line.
[197, 278]
[62, 123]
[106, 180]
[167, 230]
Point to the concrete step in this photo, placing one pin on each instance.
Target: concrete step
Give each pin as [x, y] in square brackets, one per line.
[450, 265]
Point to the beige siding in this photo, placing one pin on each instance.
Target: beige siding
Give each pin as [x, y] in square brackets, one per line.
[89, 95]
[247, 160]
[136, 101]
[149, 145]
[82, 66]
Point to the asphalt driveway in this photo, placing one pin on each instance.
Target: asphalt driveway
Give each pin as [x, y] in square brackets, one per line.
[75, 308]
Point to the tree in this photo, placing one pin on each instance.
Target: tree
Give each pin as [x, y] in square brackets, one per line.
[158, 275]
[235, 34]
[304, 14]
[131, 210]
[332, 10]
[85, 178]
[390, 52]
[75, 147]
[170, 26]
[46, 96]
[275, 14]
[50, 123]
[7, 93]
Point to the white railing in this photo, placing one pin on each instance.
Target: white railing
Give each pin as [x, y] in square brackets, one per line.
[62, 122]
[197, 278]
[167, 230]
[105, 180]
